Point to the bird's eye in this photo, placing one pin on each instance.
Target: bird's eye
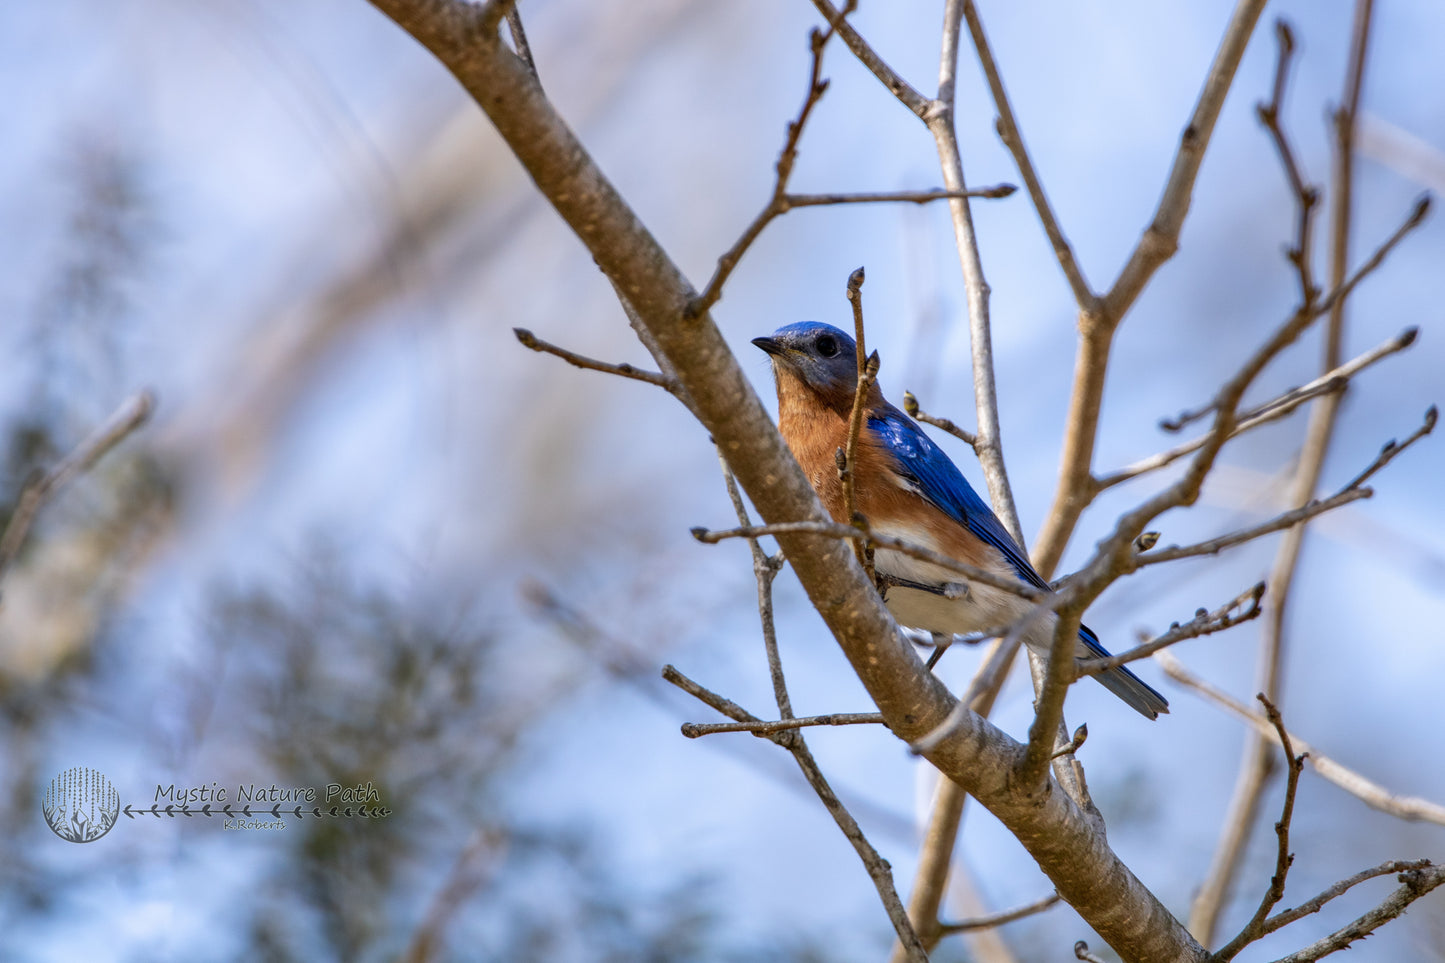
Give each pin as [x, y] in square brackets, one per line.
[827, 346]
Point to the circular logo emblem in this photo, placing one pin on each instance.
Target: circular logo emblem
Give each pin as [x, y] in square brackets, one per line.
[80, 805]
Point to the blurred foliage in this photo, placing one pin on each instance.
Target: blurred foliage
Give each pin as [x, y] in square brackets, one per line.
[343, 682]
[311, 675]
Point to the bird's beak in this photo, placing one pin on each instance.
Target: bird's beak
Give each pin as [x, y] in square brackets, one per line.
[771, 345]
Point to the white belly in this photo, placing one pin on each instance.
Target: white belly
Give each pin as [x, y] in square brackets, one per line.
[966, 607]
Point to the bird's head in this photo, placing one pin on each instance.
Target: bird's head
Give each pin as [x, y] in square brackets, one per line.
[819, 356]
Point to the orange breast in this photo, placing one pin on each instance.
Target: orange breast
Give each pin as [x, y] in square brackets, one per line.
[815, 432]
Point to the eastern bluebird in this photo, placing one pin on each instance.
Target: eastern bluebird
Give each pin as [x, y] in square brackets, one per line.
[908, 488]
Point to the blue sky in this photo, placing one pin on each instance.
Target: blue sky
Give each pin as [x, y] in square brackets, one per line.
[341, 246]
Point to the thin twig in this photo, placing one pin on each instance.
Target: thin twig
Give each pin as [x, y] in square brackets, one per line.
[1116, 553]
[1314, 905]
[1392, 448]
[1353, 491]
[765, 568]
[910, 405]
[1081, 952]
[999, 919]
[963, 707]
[1307, 196]
[1009, 133]
[131, 414]
[888, 542]
[778, 203]
[1059, 672]
[878, 869]
[1413, 885]
[791, 201]
[1097, 330]
[940, 122]
[710, 698]
[935, 858]
[1370, 793]
[519, 42]
[1161, 239]
[1281, 522]
[910, 98]
[1257, 761]
[1242, 608]
[1343, 289]
[1254, 929]
[867, 374]
[695, 729]
[626, 664]
[531, 341]
[1269, 411]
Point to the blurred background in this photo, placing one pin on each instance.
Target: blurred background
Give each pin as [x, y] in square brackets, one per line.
[368, 537]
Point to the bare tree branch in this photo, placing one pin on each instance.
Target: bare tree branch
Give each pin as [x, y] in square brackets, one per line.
[1241, 608]
[534, 343]
[1161, 239]
[910, 405]
[765, 570]
[1059, 673]
[1096, 329]
[777, 204]
[866, 55]
[473, 867]
[999, 919]
[519, 41]
[867, 373]
[694, 730]
[996, 192]
[1257, 760]
[1414, 884]
[1354, 490]
[1255, 928]
[1269, 411]
[935, 857]
[1307, 196]
[1317, 903]
[1392, 448]
[940, 122]
[1370, 793]
[131, 414]
[1057, 833]
[878, 869]
[1116, 554]
[1008, 131]
[1281, 522]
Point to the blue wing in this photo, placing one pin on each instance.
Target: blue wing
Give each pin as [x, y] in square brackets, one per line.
[924, 464]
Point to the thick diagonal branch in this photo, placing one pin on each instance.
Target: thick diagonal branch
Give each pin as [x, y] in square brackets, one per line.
[1157, 245]
[1067, 846]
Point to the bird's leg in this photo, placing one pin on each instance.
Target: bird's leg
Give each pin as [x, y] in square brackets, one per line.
[949, 590]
